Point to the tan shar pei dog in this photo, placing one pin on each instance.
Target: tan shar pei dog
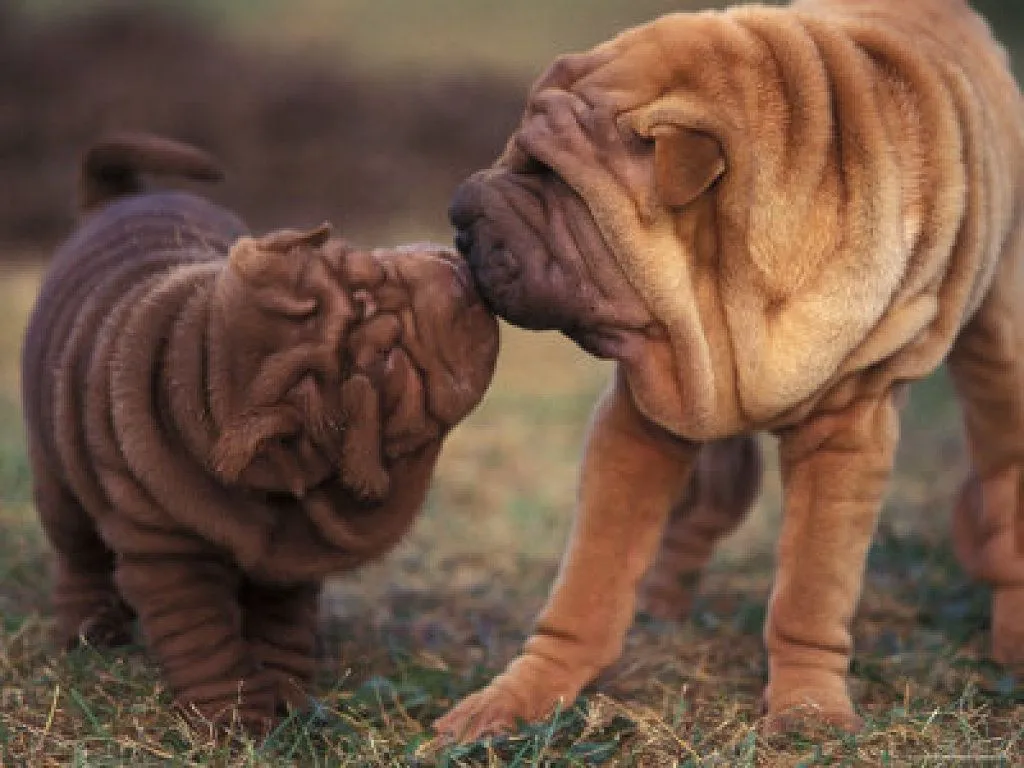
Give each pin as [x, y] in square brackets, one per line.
[773, 219]
[216, 422]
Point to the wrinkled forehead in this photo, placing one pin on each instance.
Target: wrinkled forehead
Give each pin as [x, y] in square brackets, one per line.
[356, 267]
[373, 267]
[638, 65]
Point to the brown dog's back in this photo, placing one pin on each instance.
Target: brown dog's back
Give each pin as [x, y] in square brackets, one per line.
[124, 236]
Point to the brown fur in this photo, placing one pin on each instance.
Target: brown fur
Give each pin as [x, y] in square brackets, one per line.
[773, 219]
[216, 422]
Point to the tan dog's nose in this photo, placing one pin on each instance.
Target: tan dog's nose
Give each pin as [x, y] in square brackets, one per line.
[465, 207]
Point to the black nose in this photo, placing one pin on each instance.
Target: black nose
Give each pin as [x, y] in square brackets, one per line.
[464, 242]
[465, 207]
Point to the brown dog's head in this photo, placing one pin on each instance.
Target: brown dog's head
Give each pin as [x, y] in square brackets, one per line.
[327, 359]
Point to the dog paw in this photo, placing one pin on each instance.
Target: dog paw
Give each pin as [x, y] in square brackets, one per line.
[107, 626]
[489, 712]
[501, 707]
[809, 711]
[249, 706]
[809, 720]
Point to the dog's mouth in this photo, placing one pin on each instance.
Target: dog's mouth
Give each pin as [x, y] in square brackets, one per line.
[499, 220]
[540, 262]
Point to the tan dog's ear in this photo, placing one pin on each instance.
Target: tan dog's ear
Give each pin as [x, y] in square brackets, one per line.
[686, 163]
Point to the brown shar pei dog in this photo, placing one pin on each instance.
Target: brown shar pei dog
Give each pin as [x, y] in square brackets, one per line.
[217, 422]
[773, 219]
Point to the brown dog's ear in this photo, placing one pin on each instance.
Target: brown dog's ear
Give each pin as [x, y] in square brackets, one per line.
[253, 255]
[362, 464]
[284, 240]
[686, 163]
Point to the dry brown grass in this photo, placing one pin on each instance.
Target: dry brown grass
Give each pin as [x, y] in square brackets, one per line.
[407, 636]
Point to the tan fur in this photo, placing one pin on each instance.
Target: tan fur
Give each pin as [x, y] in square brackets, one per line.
[773, 218]
[217, 422]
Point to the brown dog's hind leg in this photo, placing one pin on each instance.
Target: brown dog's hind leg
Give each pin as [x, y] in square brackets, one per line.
[279, 624]
[86, 602]
[718, 498]
[987, 367]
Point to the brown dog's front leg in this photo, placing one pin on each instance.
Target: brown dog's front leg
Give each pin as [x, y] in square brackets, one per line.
[632, 473]
[835, 470]
[279, 624]
[189, 614]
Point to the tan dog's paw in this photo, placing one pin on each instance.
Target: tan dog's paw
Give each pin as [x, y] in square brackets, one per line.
[513, 697]
[488, 712]
[804, 699]
[808, 720]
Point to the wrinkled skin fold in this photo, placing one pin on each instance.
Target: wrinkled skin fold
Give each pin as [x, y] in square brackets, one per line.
[217, 422]
[773, 219]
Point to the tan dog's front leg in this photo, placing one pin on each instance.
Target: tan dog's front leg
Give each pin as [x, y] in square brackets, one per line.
[835, 470]
[632, 474]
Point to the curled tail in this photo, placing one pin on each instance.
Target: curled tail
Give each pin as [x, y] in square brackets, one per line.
[113, 167]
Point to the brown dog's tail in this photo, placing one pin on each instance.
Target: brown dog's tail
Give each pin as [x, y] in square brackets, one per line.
[113, 167]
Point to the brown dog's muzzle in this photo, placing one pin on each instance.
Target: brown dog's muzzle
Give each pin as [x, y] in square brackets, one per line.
[452, 336]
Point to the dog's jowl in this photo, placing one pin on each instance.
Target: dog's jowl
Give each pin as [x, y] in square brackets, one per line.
[773, 219]
[216, 422]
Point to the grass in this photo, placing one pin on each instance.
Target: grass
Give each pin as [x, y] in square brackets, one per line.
[406, 637]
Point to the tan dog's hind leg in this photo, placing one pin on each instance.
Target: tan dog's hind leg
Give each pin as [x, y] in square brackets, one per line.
[632, 474]
[835, 468]
[721, 491]
[987, 366]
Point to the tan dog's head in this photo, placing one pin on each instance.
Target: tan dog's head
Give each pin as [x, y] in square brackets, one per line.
[327, 359]
[609, 149]
[707, 198]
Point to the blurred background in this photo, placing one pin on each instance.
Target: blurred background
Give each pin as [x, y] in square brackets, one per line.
[365, 113]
